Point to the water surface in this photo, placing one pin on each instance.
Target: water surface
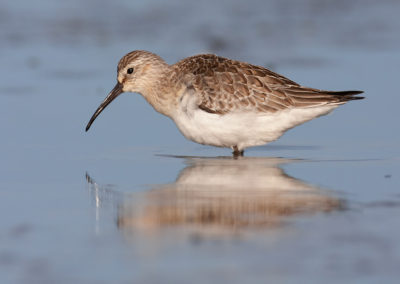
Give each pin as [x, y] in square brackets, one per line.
[132, 201]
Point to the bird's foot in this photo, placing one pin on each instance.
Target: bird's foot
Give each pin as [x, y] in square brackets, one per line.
[236, 153]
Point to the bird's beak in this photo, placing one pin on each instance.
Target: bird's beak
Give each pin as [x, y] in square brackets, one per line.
[111, 96]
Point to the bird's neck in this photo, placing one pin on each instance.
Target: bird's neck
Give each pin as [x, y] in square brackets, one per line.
[163, 91]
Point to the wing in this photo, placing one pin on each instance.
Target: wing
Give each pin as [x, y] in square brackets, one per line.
[225, 85]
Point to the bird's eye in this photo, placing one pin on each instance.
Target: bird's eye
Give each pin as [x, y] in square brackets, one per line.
[129, 71]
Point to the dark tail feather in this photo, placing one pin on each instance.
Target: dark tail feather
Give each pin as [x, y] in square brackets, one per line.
[308, 97]
[346, 95]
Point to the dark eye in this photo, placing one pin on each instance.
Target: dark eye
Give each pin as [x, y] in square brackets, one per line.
[129, 71]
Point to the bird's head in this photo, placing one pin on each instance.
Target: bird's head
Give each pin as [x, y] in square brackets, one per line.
[137, 71]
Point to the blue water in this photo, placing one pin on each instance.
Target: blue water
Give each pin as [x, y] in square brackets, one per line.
[132, 201]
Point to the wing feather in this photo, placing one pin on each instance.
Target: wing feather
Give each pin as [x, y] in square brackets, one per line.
[225, 85]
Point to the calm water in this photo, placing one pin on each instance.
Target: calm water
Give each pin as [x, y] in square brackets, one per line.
[132, 201]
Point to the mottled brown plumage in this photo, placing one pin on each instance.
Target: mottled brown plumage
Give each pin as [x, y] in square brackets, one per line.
[227, 85]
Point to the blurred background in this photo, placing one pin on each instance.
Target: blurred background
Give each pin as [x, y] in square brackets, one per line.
[124, 203]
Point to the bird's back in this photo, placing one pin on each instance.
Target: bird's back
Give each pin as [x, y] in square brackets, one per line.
[225, 86]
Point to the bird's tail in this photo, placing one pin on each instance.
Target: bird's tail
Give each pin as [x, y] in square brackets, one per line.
[344, 96]
[308, 97]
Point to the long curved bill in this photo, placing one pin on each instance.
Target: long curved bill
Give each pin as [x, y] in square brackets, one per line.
[111, 96]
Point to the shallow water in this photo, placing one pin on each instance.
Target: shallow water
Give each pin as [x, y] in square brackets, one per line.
[132, 201]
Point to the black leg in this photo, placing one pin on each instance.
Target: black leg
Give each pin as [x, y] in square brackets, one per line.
[236, 153]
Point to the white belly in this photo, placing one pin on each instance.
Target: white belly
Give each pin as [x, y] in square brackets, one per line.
[241, 129]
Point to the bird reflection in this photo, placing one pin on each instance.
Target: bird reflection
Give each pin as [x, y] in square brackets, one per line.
[223, 194]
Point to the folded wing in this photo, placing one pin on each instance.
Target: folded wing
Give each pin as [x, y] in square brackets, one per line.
[225, 85]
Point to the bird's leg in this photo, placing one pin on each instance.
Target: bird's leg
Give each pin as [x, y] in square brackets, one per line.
[236, 153]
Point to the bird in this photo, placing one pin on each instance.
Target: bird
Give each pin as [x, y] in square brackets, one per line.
[222, 102]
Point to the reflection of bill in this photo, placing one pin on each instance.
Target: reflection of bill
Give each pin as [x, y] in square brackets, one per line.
[225, 194]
